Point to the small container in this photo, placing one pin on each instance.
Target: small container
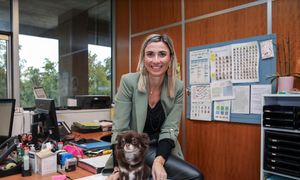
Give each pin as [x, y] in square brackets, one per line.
[20, 152]
[60, 145]
[26, 171]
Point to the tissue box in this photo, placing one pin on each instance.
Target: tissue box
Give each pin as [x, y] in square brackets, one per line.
[46, 162]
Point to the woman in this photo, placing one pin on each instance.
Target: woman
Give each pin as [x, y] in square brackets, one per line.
[150, 101]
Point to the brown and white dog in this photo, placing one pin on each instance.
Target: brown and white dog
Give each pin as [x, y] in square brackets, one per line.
[130, 154]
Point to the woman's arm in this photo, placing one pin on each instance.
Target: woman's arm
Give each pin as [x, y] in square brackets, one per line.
[123, 108]
[168, 135]
[115, 175]
[170, 128]
[158, 170]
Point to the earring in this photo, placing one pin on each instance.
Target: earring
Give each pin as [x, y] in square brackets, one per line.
[144, 70]
[169, 71]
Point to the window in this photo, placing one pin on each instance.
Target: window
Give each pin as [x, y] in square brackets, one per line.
[67, 51]
[38, 67]
[5, 21]
[5, 26]
[3, 66]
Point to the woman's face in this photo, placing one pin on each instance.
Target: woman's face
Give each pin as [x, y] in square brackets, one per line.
[157, 58]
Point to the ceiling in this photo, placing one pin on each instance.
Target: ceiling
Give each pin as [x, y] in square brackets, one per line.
[47, 14]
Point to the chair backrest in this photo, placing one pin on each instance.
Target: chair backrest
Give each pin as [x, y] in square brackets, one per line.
[7, 110]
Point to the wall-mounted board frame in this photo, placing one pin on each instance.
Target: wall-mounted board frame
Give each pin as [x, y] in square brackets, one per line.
[203, 71]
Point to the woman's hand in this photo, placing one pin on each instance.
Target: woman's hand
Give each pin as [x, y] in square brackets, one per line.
[115, 174]
[158, 170]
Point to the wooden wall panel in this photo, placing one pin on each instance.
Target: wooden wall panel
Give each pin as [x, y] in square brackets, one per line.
[197, 8]
[236, 25]
[286, 22]
[147, 14]
[225, 150]
[122, 39]
[174, 33]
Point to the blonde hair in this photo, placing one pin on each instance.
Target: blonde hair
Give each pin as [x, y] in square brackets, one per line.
[171, 73]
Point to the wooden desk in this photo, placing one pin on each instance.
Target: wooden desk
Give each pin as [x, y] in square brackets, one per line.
[79, 173]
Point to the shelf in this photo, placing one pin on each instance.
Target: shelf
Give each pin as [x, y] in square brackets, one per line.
[282, 130]
[282, 100]
[278, 174]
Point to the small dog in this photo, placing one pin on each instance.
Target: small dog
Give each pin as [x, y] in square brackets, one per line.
[130, 154]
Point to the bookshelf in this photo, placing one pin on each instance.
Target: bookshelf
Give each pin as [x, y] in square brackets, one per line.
[280, 142]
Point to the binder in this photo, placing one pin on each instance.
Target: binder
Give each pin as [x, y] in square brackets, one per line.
[98, 145]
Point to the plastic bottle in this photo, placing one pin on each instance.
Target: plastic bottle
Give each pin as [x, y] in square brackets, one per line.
[26, 159]
[20, 152]
[32, 159]
[26, 167]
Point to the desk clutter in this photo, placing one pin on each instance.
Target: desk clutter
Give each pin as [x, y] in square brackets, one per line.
[19, 155]
[50, 146]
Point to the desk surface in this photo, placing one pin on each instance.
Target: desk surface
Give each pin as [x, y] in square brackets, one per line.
[75, 174]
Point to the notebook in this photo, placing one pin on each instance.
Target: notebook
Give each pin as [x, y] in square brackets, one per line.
[94, 164]
[94, 177]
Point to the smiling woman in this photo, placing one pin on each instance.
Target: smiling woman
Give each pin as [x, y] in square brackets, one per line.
[154, 108]
[157, 59]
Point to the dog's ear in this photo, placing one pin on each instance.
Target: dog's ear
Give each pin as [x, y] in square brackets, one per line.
[119, 141]
[119, 136]
[145, 141]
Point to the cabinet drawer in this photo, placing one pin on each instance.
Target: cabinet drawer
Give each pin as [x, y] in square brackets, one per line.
[280, 167]
[281, 116]
[282, 152]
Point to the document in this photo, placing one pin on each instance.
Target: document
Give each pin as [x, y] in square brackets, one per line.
[267, 50]
[257, 91]
[222, 110]
[221, 63]
[199, 67]
[245, 61]
[201, 102]
[221, 90]
[241, 102]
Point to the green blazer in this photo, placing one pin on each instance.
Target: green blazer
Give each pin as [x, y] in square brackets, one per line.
[131, 110]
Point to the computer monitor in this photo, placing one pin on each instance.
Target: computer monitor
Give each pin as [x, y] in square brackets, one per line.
[45, 115]
[39, 93]
[7, 110]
